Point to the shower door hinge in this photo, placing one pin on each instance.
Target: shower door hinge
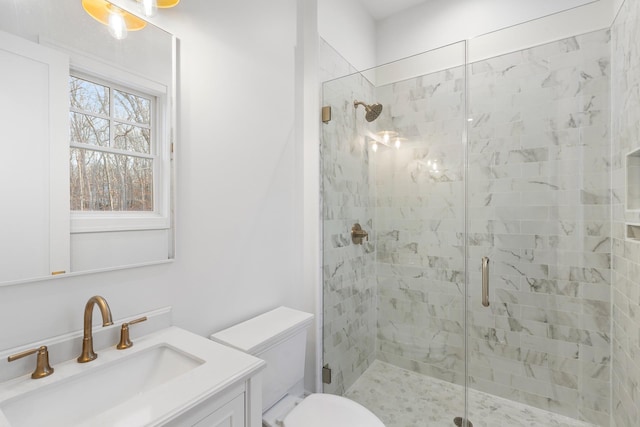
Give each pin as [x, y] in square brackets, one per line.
[326, 374]
[326, 114]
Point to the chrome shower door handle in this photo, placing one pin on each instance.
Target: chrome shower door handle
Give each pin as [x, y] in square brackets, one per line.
[485, 281]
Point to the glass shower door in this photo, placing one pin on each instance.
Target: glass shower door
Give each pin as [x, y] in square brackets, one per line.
[538, 211]
[495, 172]
[394, 300]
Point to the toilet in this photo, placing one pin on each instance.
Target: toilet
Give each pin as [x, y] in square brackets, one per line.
[279, 337]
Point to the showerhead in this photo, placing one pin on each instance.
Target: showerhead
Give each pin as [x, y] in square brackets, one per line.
[373, 110]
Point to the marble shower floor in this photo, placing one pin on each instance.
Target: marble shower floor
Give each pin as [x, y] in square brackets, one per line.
[402, 398]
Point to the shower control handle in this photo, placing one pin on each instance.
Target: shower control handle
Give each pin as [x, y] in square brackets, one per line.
[357, 234]
[485, 281]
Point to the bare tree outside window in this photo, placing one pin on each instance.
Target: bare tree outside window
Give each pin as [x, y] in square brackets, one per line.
[111, 162]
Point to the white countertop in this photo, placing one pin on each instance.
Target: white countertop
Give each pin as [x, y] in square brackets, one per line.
[223, 367]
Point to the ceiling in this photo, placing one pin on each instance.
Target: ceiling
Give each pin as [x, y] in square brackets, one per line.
[381, 9]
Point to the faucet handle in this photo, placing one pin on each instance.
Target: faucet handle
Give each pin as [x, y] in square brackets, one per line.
[43, 369]
[125, 342]
[357, 234]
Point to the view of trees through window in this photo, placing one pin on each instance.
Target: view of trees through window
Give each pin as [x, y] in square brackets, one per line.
[111, 162]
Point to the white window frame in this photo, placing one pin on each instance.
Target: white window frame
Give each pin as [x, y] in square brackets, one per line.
[94, 221]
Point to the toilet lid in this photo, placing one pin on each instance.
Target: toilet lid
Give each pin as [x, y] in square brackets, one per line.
[327, 410]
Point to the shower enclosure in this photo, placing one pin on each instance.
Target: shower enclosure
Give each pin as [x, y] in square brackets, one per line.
[497, 167]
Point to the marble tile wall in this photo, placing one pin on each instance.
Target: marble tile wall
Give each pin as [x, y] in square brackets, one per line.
[420, 225]
[539, 208]
[625, 36]
[349, 287]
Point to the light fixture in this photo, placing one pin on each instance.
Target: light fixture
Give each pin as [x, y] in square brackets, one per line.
[150, 7]
[119, 21]
[117, 26]
[374, 146]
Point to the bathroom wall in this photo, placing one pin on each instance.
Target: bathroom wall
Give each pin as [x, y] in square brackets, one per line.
[546, 339]
[348, 269]
[502, 26]
[238, 250]
[366, 43]
[626, 252]
[350, 30]
[578, 380]
[420, 225]
[538, 208]
[539, 177]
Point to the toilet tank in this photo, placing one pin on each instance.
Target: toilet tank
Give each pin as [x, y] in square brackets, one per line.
[278, 337]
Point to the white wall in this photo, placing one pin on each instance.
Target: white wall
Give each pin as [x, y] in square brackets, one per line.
[348, 27]
[441, 22]
[366, 43]
[235, 161]
[240, 165]
[33, 311]
[580, 20]
[237, 248]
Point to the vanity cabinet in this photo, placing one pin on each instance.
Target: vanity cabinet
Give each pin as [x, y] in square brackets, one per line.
[230, 415]
[240, 406]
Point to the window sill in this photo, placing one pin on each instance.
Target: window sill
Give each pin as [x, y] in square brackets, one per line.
[100, 222]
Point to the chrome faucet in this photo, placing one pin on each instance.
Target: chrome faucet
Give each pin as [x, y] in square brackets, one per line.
[88, 354]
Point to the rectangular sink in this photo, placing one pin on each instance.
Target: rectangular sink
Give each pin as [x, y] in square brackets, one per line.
[77, 399]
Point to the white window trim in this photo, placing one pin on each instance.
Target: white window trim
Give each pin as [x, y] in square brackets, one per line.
[83, 65]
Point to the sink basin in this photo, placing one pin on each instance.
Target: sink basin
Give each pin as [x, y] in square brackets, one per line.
[79, 398]
[166, 374]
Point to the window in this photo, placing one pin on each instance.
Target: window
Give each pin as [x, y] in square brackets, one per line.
[112, 155]
[116, 156]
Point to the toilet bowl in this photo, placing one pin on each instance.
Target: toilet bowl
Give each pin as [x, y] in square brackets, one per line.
[324, 410]
[279, 337]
